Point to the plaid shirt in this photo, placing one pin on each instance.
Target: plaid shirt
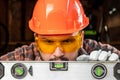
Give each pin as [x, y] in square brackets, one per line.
[29, 53]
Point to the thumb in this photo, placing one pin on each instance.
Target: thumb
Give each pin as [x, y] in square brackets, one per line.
[83, 57]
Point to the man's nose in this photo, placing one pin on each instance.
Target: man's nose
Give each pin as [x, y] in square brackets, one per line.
[58, 52]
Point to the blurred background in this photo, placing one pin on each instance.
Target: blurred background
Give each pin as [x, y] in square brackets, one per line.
[104, 24]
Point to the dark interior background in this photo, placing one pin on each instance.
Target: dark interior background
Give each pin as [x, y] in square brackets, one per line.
[14, 16]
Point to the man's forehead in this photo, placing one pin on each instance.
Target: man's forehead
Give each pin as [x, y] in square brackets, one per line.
[56, 37]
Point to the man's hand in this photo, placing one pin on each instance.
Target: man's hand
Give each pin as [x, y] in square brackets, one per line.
[99, 55]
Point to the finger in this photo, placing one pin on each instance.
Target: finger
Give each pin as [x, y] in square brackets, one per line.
[94, 55]
[103, 56]
[113, 57]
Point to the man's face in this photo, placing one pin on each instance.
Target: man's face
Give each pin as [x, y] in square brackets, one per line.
[58, 47]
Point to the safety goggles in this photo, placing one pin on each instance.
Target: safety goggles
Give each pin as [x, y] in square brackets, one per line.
[67, 44]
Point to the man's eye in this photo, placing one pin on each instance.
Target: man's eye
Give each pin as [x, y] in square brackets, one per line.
[68, 41]
[49, 41]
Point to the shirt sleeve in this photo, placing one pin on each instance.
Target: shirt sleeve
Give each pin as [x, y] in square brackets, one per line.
[19, 54]
[90, 45]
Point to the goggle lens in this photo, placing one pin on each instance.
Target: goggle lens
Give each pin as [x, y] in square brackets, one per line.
[68, 45]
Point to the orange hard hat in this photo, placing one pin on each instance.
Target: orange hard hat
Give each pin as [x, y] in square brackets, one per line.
[58, 17]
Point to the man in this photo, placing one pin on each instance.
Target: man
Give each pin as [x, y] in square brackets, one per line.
[57, 27]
